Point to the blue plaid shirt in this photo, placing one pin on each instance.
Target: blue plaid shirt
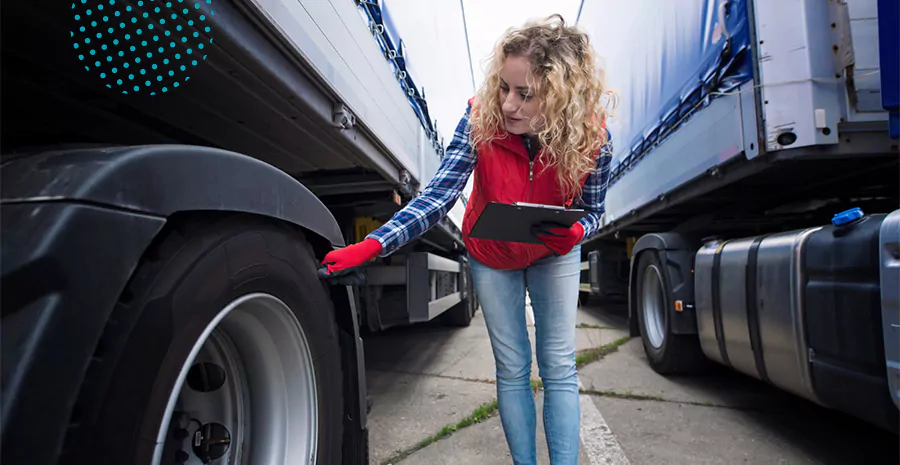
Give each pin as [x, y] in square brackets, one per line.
[441, 194]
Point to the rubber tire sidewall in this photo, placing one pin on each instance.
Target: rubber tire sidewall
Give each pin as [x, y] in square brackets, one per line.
[656, 356]
[176, 296]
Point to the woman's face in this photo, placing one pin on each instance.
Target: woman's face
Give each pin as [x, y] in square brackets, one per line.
[520, 105]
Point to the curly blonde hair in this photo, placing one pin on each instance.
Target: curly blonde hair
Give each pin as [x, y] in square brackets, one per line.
[570, 87]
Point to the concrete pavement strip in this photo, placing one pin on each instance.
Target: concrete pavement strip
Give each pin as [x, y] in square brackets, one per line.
[598, 442]
[461, 353]
[484, 443]
[681, 434]
[722, 417]
[627, 371]
[479, 444]
[409, 406]
[676, 434]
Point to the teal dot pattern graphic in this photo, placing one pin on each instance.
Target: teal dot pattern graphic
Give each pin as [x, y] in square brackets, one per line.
[144, 47]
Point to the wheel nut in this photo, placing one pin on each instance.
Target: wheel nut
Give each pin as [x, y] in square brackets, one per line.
[206, 377]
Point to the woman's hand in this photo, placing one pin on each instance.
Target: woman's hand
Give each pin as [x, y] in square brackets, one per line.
[561, 240]
[351, 256]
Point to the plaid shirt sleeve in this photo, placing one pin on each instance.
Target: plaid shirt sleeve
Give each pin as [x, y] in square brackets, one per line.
[593, 196]
[437, 199]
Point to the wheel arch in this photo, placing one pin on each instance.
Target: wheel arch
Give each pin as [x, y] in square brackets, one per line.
[162, 180]
[676, 255]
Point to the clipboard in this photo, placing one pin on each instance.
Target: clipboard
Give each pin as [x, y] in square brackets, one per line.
[512, 222]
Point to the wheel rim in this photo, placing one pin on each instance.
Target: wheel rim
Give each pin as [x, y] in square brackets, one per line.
[653, 306]
[249, 381]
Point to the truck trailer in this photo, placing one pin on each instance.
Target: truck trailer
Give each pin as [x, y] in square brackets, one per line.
[752, 215]
[173, 173]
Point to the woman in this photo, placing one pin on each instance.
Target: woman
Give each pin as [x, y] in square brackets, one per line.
[534, 133]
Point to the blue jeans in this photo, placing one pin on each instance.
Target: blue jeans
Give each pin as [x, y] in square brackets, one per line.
[553, 285]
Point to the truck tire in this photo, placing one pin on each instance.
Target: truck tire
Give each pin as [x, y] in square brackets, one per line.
[223, 345]
[461, 314]
[667, 353]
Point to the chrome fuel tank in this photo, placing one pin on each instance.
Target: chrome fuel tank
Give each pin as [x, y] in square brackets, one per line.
[756, 322]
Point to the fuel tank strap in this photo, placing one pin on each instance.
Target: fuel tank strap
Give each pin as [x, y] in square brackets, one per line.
[753, 309]
[717, 303]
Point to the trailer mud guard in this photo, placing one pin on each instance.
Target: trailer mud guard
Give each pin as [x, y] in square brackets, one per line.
[676, 255]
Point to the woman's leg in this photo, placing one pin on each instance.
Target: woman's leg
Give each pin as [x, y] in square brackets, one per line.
[553, 285]
[502, 296]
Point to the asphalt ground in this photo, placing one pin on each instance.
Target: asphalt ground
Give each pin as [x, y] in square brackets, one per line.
[433, 401]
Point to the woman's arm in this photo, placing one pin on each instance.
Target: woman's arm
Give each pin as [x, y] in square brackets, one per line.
[438, 197]
[593, 196]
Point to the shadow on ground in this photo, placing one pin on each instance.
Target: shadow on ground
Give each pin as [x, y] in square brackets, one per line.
[723, 416]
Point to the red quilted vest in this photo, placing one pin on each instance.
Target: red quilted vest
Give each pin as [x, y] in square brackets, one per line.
[504, 174]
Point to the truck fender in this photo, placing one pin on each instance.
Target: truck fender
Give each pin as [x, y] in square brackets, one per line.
[676, 254]
[161, 180]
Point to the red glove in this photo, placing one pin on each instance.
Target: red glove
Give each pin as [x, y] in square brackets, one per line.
[563, 240]
[352, 256]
